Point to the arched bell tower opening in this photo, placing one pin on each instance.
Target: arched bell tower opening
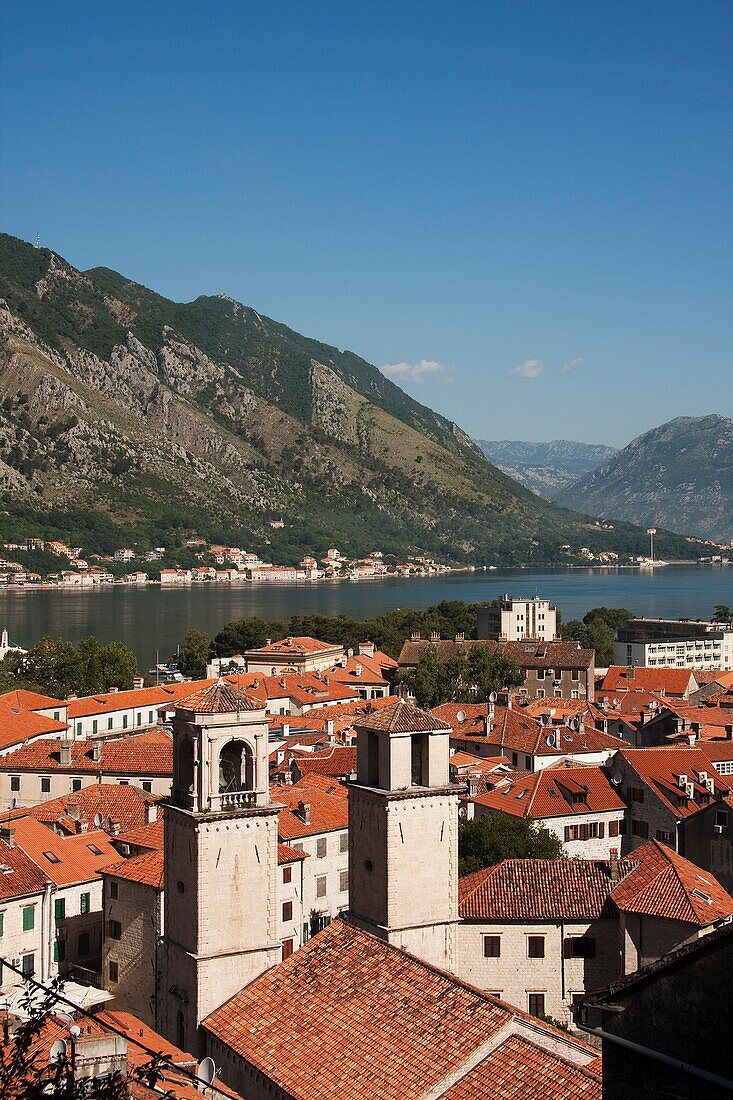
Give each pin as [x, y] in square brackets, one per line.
[236, 768]
[220, 857]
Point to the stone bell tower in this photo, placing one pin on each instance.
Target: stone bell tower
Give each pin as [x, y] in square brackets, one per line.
[403, 833]
[220, 859]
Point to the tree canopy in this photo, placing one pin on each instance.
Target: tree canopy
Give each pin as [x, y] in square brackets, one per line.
[462, 679]
[597, 630]
[194, 652]
[59, 668]
[487, 840]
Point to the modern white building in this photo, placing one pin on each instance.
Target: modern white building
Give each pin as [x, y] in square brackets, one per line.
[515, 618]
[675, 643]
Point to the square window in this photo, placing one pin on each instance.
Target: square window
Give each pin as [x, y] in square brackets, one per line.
[85, 903]
[28, 965]
[29, 918]
[287, 910]
[536, 1004]
[344, 842]
[75, 785]
[343, 881]
[114, 971]
[287, 874]
[45, 784]
[535, 947]
[492, 947]
[321, 883]
[15, 783]
[580, 947]
[321, 847]
[147, 786]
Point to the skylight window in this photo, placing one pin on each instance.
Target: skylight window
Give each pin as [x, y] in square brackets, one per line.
[94, 849]
[52, 857]
[703, 897]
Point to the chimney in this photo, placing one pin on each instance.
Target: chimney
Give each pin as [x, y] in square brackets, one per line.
[268, 641]
[729, 731]
[613, 860]
[329, 727]
[7, 834]
[151, 812]
[112, 691]
[415, 636]
[629, 672]
[72, 809]
[304, 809]
[460, 637]
[691, 739]
[96, 751]
[65, 752]
[286, 729]
[366, 649]
[138, 682]
[472, 786]
[349, 653]
[434, 636]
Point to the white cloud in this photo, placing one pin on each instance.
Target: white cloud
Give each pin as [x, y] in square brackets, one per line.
[530, 368]
[571, 365]
[415, 372]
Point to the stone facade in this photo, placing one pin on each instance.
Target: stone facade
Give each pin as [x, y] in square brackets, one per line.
[132, 960]
[325, 878]
[558, 976]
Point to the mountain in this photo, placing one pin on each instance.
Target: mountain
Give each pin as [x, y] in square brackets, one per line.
[545, 468]
[679, 476]
[127, 418]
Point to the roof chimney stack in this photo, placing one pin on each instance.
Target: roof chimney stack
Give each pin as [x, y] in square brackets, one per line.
[613, 860]
[304, 809]
[7, 834]
[65, 752]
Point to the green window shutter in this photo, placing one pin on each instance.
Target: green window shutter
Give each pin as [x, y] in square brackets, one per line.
[2, 923]
[84, 906]
[59, 908]
[55, 951]
[29, 918]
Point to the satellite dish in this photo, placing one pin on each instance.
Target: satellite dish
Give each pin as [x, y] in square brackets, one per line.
[98, 821]
[574, 724]
[617, 779]
[75, 1031]
[493, 697]
[550, 739]
[461, 716]
[462, 811]
[13, 803]
[206, 1071]
[57, 1054]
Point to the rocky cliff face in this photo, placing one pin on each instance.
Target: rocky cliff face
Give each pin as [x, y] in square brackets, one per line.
[679, 476]
[545, 468]
[125, 416]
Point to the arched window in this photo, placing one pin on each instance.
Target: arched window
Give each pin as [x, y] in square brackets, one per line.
[184, 770]
[236, 768]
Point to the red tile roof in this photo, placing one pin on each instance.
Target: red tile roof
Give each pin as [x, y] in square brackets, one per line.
[668, 681]
[73, 858]
[218, 698]
[555, 792]
[520, 1070]
[538, 889]
[562, 655]
[19, 875]
[349, 1015]
[20, 699]
[17, 727]
[665, 884]
[150, 836]
[304, 646]
[514, 730]
[123, 806]
[329, 808]
[145, 869]
[661, 768]
[336, 761]
[137, 754]
[286, 854]
[145, 698]
[401, 717]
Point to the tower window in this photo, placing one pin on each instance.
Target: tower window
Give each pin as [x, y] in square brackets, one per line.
[368, 866]
[419, 776]
[492, 947]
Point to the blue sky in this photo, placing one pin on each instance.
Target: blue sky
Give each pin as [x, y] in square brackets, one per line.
[523, 208]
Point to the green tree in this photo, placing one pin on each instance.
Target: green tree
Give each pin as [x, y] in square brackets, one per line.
[244, 634]
[489, 672]
[597, 631]
[56, 667]
[194, 652]
[487, 840]
[723, 613]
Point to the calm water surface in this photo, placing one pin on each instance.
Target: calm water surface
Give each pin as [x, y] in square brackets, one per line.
[153, 619]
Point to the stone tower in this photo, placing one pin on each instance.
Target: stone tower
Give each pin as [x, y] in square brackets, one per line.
[403, 833]
[220, 859]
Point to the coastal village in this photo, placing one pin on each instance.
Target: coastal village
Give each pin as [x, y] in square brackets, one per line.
[257, 872]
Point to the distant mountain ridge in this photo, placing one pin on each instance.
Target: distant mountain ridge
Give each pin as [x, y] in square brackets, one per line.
[679, 475]
[545, 468]
[126, 418]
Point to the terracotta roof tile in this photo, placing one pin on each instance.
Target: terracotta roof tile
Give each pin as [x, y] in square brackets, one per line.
[20, 699]
[304, 646]
[151, 836]
[123, 806]
[665, 884]
[555, 793]
[336, 761]
[77, 858]
[661, 768]
[328, 802]
[218, 698]
[17, 727]
[668, 681]
[520, 1070]
[538, 889]
[401, 717]
[138, 754]
[145, 869]
[286, 854]
[19, 875]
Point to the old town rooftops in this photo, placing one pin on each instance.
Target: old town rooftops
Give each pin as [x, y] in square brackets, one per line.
[555, 792]
[287, 647]
[64, 859]
[652, 880]
[348, 1014]
[19, 875]
[137, 754]
[560, 655]
[668, 771]
[121, 807]
[666, 681]
[519, 1069]
[401, 717]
